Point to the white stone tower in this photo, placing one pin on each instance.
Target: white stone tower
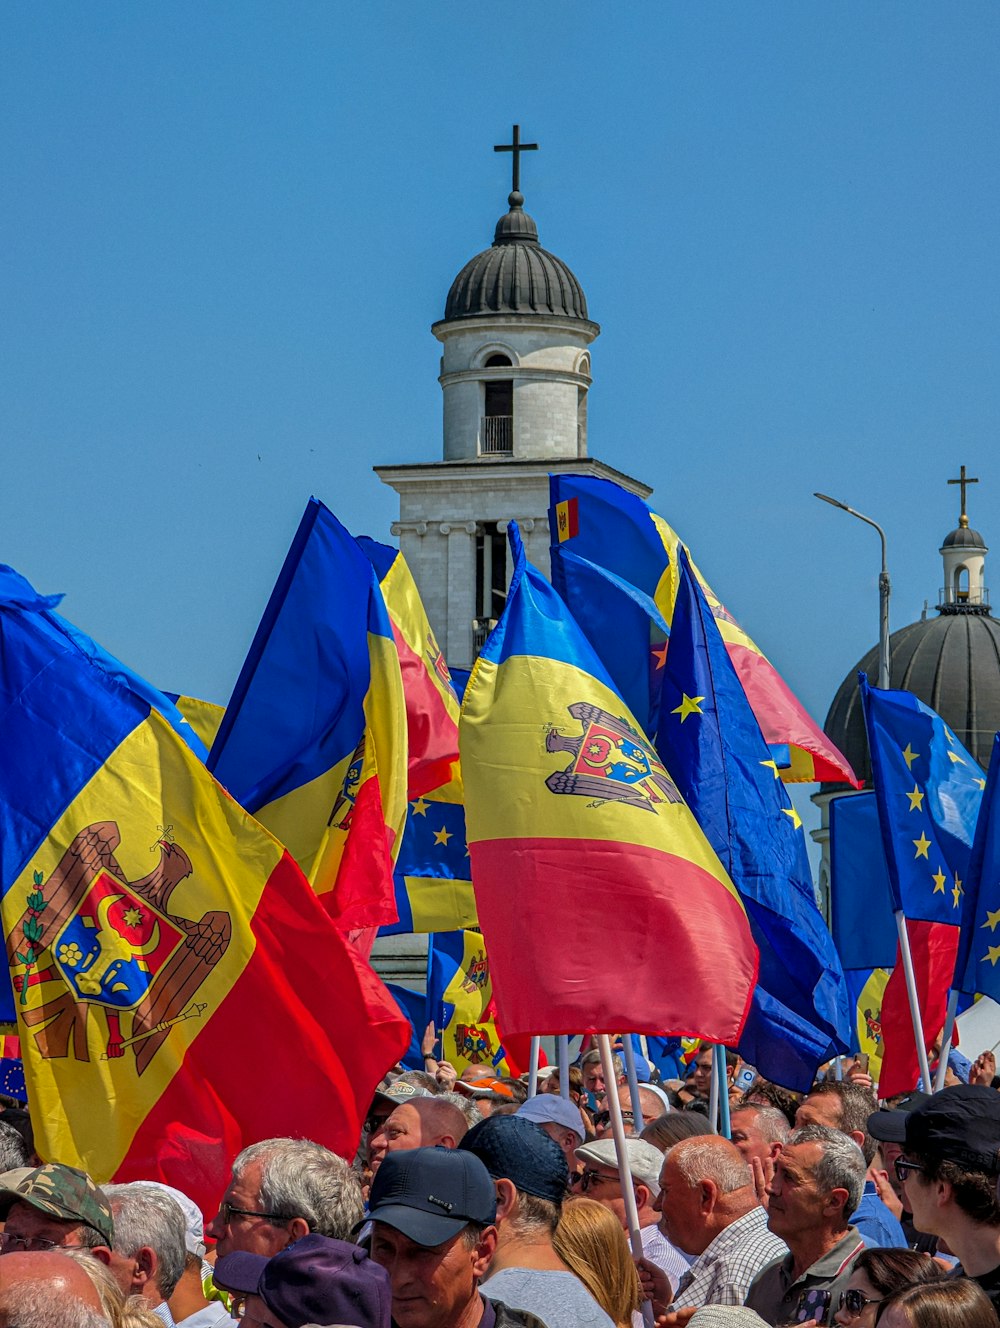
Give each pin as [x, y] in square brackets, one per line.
[964, 554]
[515, 373]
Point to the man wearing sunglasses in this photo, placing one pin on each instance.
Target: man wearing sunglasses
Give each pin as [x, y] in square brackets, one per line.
[949, 1169]
[281, 1189]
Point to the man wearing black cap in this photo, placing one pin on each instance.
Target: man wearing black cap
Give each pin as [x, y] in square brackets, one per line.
[530, 1175]
[949, 1171]
[888, 1127]
[433, 1213]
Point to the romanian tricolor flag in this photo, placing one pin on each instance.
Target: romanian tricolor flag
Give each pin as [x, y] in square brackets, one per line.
[577, 832]
[158, 939]
[313, 741]
[597, 526]
[431, 704]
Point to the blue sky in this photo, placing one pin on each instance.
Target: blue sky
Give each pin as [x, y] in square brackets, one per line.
[227, 228]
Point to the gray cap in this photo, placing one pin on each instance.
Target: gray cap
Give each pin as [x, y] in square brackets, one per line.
[644, 1161]
[547, 1109]
[401, 1092]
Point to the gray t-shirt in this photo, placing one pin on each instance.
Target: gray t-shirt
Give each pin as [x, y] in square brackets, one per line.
[560, 1299]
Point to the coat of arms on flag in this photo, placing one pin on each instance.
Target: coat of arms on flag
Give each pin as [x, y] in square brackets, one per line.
[611, 760]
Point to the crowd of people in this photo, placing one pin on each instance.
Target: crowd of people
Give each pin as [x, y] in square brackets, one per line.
[472, 1204]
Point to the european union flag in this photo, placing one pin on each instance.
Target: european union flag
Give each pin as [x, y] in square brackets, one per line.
[433, 881]
[928, 790]
[979, 944]
[713, 747]
[864, 931]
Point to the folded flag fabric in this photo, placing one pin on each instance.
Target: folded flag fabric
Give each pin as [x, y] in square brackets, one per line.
[433, 877]
[933, 946]
[431, 704]
[928, 789]
[602, 525]
[864, 930]
[203, 716]
[576, 832]
[711, 742]
[313, 741]
[976, 968]
[460, 1001]
[158, 938]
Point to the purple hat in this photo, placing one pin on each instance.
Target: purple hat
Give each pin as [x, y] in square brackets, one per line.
[512, 1148]
[314, 1280]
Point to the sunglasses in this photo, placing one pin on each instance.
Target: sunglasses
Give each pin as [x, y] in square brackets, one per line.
[587, 1179]
[901, 1166]
[602, 1118]
[854, 1301]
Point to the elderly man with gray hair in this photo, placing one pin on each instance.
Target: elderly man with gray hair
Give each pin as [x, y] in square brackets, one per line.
[281, 1189]
[148, 1254]
[709, 1209]
[819, 1177]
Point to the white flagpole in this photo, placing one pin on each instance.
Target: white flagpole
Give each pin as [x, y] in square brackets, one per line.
[713, 1097]
[633, 1082]
[536, 1046]
[563, 1065]
[624, 1172]
[911, 992]
[949, 1028]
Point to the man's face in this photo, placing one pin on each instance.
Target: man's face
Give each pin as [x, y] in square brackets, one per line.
[400, 1131]
[918, 1200]
[431, 1288]
[797, 1205]
[651, 1107]
[567, 1141]
[604, 1185]
[256, 1235]
[819, 1109]
[28, 1229]
[701, 1079]
[747, 1137]
[890, 1152]
[593, 1078]
[679, 1205]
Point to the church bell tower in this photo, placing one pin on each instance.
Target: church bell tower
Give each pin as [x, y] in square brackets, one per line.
[515, 376]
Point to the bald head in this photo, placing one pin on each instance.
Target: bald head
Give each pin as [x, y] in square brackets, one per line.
[472, 1073]
[423, 1122]
[62, 1275]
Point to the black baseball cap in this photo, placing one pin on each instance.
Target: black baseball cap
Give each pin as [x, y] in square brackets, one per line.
[431, 1194]
[889, 1126]
[960, 1124]
[515, 1149]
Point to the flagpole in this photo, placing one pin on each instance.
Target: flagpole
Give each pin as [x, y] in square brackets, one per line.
[713, 1096]
[633, 1082]
[536, 1046]
[911, 992]
[719, 1067]
[949, 1028]
[621, 1151]
[563, 1054]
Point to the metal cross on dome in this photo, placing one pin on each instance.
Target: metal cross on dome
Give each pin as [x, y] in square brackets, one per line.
[517, 147]
[964, 482]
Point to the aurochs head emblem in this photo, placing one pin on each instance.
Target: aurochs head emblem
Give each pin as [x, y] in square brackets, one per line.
[612, 761]
[89, 939]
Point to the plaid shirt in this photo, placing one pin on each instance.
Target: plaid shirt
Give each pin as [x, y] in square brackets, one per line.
[722, 1274]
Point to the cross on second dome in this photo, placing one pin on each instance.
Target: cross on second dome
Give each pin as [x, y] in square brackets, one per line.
[516, 148]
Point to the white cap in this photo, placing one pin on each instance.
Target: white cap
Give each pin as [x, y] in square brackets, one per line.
[644, 1161]
[547, 1108]
[194, 1227]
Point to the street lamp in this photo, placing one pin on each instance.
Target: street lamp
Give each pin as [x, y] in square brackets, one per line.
[883, 590]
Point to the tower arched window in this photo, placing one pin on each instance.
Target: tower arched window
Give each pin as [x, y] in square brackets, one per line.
[498, 362]
[496, 435]
[961, 583]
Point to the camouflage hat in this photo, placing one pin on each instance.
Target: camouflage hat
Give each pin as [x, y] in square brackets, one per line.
[64, 1193]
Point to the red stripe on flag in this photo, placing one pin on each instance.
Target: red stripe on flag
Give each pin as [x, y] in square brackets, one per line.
[431, 732]
[933, 945]
[364, 895]
[296, 1048]
[647, 941]
[783, 719]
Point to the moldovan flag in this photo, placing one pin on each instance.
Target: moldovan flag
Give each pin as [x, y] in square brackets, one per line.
[431, 704]
[313, 741]
[158, 939]
[596, 524]
[578, 836]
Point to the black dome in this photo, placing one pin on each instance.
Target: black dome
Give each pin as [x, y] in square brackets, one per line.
[962, 537]
[515, 276]
[951, 663]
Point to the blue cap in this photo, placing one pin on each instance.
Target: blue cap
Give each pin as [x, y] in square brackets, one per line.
[547, 1109]
[512, 1148]
[431, 1194]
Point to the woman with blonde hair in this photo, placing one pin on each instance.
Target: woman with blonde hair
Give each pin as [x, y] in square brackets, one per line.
[590, 1241]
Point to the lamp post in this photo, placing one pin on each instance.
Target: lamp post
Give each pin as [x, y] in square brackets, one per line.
[883, 682]
[884, 589]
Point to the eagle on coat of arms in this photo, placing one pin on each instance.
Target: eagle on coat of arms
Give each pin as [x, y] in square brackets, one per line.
[611, 761]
